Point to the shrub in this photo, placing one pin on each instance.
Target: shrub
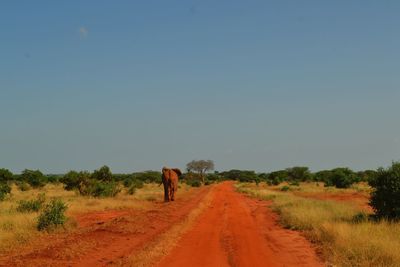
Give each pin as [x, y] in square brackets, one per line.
[129, 182]
[34, 178]
[242, 176]
[53, 178]
[4, 190]
[80, 181]
[208, 182]
[147, 176]
[33, 205]
[103, 174]
[385, 198]
[298, 174]
[341, 178]
[194, 183]
[23, 186]
[131, 190]
[5, 175]
[133, 185]
[100, 189]
[285, 188]
[53, 215]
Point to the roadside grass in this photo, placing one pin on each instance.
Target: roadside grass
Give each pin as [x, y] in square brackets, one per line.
[318, 187]
[17, 228]
[342, 231]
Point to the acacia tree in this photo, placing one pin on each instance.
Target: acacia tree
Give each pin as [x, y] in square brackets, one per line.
[201, 167]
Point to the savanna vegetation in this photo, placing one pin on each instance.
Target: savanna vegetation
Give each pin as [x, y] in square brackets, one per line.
[346, 232]
[33, 204]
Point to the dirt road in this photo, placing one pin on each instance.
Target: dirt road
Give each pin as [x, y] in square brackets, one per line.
[229, 230]
[238, 231]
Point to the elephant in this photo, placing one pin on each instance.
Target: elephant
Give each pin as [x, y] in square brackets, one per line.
[170, 181]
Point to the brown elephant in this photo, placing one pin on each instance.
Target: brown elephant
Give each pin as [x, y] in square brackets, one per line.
[170, 181]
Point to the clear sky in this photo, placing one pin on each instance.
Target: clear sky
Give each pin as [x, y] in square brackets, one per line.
[259, 85]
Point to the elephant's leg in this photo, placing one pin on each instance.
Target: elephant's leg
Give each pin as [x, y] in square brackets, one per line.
[174, 188]
[171, 193]
[166, 191]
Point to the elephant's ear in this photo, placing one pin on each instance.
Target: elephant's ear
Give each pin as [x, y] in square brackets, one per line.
[178, 171]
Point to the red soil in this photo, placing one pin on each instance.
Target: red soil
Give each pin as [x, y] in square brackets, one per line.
[104, 237]
[233, 231]
[239, 231]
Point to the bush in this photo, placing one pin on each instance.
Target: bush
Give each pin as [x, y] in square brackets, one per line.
[299, 174]
[53, 178]
[194, 183]
[5, 175]
[23, 186]
[131, 190]
[53, 215]
[103, 174]
[35, 178]
[340, 178]
[242, 176]
[285, 188]
[77, 181]
[132, 185]
[33, 205]
[100, 189]
[385, 198]
[4, 190]
[147, 176]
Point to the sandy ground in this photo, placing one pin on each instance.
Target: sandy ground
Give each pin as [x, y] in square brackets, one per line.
[232, 230]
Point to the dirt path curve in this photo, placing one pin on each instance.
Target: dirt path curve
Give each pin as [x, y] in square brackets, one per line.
[238, 231]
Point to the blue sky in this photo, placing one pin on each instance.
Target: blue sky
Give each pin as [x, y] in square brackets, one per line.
[259, 85]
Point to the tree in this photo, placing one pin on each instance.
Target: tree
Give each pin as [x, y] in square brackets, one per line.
[103, 174]
[34, 178]
[341, 178]
[299, 174]
[5, 175]
[385, 198]
[201, 167]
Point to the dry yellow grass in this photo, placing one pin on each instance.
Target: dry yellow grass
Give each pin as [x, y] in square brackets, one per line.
[343, 241]
[17, 228]
[318, 187]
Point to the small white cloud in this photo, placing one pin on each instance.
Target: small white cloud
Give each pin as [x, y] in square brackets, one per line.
[83, 32]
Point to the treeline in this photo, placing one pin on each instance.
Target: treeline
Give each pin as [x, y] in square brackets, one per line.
[338, 177]
[99, 183]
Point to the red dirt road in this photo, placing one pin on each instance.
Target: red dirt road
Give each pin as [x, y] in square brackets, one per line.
[231, 230]
[238, 231]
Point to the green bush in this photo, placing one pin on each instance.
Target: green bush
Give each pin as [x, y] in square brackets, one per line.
[285, 188]
[132, 185]
[385, 198]
[103, 174]
[5, 175]
[33, 205]
[52, 215]
[4, 190]
[194, 183]
[36, 179]
[340, 178]
[147, 176]
[101, 189]
[298, 174]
